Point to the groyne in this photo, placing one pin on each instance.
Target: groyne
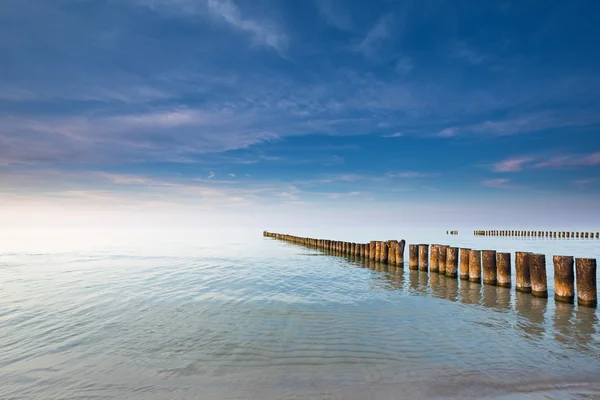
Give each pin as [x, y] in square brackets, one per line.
[539, 234]
[487, 267]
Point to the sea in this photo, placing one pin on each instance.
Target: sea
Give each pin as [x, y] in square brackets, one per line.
[229, 314]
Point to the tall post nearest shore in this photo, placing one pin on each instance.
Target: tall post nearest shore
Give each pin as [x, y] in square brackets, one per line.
[564, 279]
[413, 256]
[423, 257]
[586, 282]
[464, 263]
[489, 267]
[523, 278]
[537, 271]
[452, 262]
[504, 270]
[475, 266]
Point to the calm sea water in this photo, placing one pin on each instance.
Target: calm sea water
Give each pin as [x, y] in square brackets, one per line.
[233, 315]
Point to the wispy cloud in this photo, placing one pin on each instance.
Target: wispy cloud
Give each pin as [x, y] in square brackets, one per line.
[404, 65]
[500, 183]
[394, 135]
[262, 33]
[409, 174]
[460, 49]
[582, 183]
[379, 32]
[448, 132]
[567, 161]
[512, 164]
[211, 175]
[332, 12]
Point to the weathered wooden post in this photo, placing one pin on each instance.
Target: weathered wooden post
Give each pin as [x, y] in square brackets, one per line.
[372, 252]
[413, 256]
[442, 258]
[464, 263]
[489, 267]
[383, 258]
[423, 257]
[434, 260]
[452, 262]
[564, 279]
[523, 277]
[504, 270]
[537, 268]
[400, 253]
[475, 266]
[378, 251]
[586, 282]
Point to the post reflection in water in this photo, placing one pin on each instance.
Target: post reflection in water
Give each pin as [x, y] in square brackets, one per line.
[584, 329]
[531, 312]
[562, 322]
[470, 292]
[413, 279]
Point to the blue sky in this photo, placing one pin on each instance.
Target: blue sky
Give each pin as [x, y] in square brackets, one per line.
[474, 112]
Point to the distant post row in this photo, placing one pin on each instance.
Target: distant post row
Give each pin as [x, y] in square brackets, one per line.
[482, 266]
[566, 235]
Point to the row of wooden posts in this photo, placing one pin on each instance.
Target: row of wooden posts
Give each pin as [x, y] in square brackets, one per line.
[493, 267]
[451, 232]
[567, 235]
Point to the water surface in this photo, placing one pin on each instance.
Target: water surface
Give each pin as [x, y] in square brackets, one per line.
[233, 315]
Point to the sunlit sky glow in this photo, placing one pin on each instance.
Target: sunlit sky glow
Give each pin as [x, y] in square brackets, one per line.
[300, 113]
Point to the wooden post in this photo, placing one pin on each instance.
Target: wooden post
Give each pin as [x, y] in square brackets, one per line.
[423, 257]
[400, 253]
[442, 258]
[564, 279]
[383, 257]
[489, 267]
[378, 251]
[413, 256]
[523, 283]
[504, 270]
[475, 266]
[372, 247]
[452, 262]
[537, 268]
[586, 282]
[434, 261]
[464, 263]
[392, 249]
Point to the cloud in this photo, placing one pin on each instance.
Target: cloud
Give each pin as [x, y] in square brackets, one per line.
[330, 11]
[393, 135]
[512, 164]
[262, 33]
[232, 175]
[409, 174]
[448, 132]
[567, 161]
[460, 49]
[585, 182]
[500, 183]
[404, 65]
[379, 32]
[211, 175]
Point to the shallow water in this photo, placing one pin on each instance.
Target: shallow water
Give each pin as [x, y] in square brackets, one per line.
[233, 315]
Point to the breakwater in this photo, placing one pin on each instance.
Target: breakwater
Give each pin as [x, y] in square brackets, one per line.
[489, 267]
[539, 234]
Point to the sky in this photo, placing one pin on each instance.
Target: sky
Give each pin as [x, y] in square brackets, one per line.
[282, 114]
